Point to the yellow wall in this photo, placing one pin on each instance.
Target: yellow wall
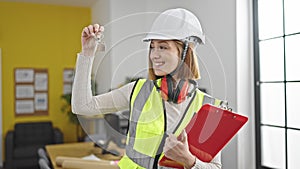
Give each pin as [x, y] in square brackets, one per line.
[39, 36]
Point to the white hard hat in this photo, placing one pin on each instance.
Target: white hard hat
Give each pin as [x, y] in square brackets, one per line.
[179, 24]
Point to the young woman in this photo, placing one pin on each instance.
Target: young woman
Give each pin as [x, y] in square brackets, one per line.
[160, 106]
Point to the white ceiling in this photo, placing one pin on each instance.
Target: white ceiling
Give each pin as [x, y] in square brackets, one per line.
[80, 3]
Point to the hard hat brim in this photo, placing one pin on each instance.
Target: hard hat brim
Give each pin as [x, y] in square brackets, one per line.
[152, 36]
[155, 36]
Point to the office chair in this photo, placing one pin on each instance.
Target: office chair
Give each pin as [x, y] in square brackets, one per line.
[43, 155]
[23, 142]
[43, 164]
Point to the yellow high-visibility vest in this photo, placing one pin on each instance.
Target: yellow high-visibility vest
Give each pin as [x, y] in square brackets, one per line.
[147, 126]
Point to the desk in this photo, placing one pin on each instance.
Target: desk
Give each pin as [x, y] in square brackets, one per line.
[78, 150]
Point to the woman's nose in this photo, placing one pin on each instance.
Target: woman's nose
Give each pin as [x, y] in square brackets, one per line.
[154, 54]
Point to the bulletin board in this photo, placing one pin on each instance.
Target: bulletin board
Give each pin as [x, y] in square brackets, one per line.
[68, 77]
[31, 91]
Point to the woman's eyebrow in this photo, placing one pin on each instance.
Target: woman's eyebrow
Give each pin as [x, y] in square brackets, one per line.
[160, 43]
[163, 42]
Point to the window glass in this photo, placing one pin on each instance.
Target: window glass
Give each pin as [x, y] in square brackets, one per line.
[271, 60]
[272, 104]
[270, 18]
[293, 109]
[279, 72]
[273, 147]
[292, 14]
[292, 57]
[293, 140]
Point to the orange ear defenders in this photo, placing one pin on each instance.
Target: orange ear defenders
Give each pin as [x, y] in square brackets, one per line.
[178, 94]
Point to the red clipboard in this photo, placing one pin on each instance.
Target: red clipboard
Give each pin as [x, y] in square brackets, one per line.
[208, 132]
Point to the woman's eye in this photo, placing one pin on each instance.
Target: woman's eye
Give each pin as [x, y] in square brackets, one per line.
[158, 47]
[162, 47]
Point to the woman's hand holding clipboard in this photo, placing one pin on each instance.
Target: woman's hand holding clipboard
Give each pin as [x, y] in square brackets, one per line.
[208, 132]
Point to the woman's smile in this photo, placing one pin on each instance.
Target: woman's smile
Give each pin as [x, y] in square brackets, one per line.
[158, 63]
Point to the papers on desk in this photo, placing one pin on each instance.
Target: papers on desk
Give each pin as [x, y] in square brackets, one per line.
[87, 162]
[91, 157]
[95, 158]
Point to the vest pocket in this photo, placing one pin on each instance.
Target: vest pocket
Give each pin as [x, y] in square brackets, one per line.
[148, 139]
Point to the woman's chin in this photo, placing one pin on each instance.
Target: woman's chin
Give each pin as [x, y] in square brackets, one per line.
[159, 73]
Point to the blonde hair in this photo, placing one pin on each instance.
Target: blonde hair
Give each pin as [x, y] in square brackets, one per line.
[189, 69]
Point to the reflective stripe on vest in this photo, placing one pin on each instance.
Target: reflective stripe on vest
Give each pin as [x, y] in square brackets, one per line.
[146, 133]
[146, 124]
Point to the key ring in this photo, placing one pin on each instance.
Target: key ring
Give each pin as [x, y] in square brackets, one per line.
[224, 105]
[99, 41]
[98, 38]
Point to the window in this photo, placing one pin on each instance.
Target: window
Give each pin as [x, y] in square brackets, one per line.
[277, 83]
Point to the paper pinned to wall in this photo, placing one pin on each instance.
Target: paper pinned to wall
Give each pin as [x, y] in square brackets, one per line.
[68, 77]
[24, 75]
[24, 106]
[24, 91]
[41, 102]
[41, 81]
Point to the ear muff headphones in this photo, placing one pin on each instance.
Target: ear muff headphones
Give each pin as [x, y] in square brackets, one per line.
[178, 94]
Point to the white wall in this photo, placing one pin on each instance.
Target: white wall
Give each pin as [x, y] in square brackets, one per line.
[102, 63]
[245, 83]
[127, 23]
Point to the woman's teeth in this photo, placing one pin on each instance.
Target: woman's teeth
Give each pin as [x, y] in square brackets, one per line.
[158, 63]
